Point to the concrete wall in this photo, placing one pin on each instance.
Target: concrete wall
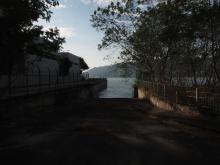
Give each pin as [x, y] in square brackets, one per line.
[78, 94]
[142, 93]
[44, 66]
[34, 63]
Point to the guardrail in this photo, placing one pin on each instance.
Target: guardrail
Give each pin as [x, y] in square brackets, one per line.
[202, 97]
[26, 84]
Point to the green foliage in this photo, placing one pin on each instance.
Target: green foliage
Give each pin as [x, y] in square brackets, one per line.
[117, 21]
[20, 37]
[169, 42]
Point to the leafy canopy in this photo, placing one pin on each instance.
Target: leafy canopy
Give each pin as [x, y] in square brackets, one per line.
[19, 35]
[170, 40]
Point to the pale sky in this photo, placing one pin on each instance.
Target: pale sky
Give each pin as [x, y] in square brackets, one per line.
[72, 18]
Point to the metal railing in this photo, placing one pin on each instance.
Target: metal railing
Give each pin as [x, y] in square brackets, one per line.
[201, 97]
[30, 83]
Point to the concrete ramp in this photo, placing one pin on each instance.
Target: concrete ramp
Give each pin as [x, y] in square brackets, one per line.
[109, 132]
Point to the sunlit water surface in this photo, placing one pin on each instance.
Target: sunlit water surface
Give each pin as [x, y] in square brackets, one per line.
[119, 88]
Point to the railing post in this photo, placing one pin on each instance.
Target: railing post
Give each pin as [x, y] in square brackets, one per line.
[157, 89]
[197, 95]
[39, 78]
[164, 91]
[27, 84]
[69, 79]
[63, 84]
[73, 77]
[176, 97]
[9, 85]
[49, 78]
[57, 82]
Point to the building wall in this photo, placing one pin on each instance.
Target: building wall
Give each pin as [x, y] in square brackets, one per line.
[42, 70]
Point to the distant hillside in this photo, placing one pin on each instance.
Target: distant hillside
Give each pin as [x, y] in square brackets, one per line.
[116, 70]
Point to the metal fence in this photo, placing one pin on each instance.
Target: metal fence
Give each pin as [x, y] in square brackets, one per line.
[202, 97]
[31, 83]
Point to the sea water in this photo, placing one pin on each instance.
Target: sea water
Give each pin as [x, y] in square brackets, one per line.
[119, 88]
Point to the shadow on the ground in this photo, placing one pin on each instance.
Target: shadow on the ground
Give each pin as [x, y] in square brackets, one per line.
[108, 131]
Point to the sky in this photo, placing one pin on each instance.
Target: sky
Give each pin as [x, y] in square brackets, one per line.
[72, 17]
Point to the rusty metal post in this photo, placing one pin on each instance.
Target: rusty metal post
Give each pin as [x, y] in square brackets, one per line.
[197, 96]
[157, 89]
[176, 97]
[164, 91]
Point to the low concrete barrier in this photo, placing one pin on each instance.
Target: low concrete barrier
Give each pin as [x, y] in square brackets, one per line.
[142, 93]
[78, 93]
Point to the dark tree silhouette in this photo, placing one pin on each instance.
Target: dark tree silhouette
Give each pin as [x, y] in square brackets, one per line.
[171, 41]
[20, 37]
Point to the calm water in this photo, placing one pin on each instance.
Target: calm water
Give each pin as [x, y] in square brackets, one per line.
[118, 88]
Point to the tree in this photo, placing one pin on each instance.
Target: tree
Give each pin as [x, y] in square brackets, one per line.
[20, 37]
[117, 21]
[174, 41]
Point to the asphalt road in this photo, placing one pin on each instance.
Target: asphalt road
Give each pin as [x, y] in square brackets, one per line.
[108, 132]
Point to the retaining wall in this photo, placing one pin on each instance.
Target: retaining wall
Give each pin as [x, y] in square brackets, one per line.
[78, 94]
[142, 93]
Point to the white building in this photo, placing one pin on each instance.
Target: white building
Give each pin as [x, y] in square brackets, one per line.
[45, 70]
[52, 63]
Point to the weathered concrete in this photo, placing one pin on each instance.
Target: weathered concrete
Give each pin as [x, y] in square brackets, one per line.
[161, 103]
[109, 132]
[78, 93]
